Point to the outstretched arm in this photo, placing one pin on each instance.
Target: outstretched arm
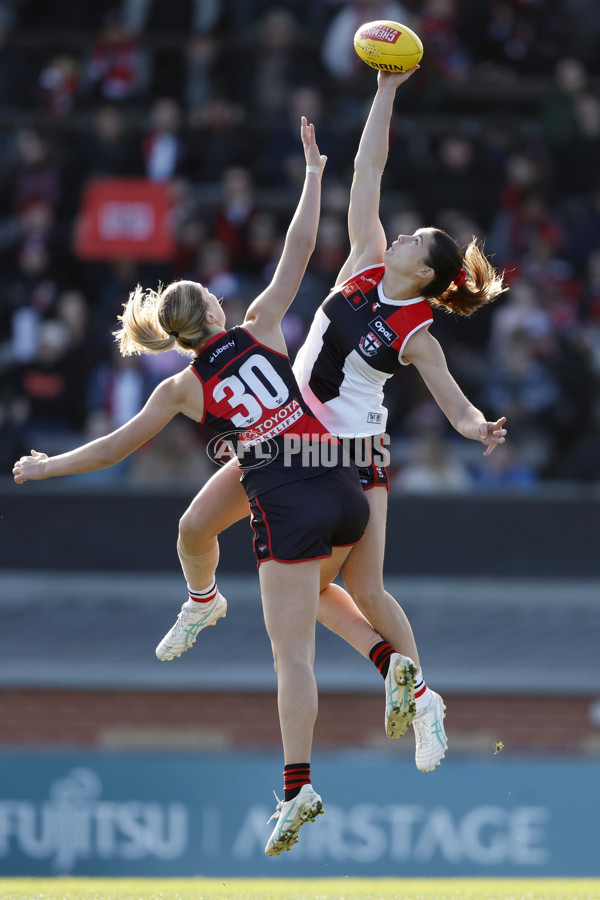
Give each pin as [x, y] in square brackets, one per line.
[163, 404]
[367, 237]
[264, 315]
[425, 352]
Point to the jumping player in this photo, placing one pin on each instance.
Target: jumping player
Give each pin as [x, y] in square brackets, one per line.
[375, 320]
[240, 382]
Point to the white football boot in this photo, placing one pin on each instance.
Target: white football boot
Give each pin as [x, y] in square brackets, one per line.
[292, 815]
[190, 622]
[399, 695]
[430, 737]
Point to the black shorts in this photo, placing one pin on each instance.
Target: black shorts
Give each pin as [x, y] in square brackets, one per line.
[306, 518]
[371, 458]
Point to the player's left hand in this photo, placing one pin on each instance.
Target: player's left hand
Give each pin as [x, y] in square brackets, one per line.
[309, 142]
[30, 468]
[491, 434]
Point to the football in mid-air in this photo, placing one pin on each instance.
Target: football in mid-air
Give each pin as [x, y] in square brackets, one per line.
[388, 46]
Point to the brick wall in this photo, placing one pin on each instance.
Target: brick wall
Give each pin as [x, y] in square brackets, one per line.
[190, 721]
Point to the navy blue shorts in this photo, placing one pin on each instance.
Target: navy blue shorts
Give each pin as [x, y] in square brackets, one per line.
[305, 519]
[371, 458]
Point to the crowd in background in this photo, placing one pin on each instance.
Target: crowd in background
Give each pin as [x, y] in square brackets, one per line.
[497, 136]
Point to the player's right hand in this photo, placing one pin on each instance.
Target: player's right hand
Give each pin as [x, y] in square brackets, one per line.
[395, 79]
[30, 468]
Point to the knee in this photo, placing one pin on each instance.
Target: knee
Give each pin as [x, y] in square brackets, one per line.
[293, 661]
[194, 525]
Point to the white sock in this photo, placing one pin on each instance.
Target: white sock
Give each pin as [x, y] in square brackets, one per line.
[206, 595]
[422, 692]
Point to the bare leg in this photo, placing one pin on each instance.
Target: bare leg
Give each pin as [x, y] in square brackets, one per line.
[339, 613]
[221, 502]
[290, 596]
[363, 576]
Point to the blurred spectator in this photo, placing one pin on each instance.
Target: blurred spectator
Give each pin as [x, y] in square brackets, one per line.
[584, 235]
[110, 147]
[459, 180]
[201, 55]
[177, 16]
[448, 58]
[331, 249]
[558, 115]
[578, 156]
[16, 67]
[117, 69]
[215, 271]
[520, 312]
[237, 207]
[58, 84]
[432, 467]
[117, 391]
[72, 310]
[13, 439]
[505, 470]
[526, 391]
[175, 457]
[35, 172]
[582, 25]
[263, 245]
[164, 148]
[273, 61]
[523, 36]
[282, 160]
[110, 286]
[220, 140]
[522, 175]
[523, 226]
[53, 387]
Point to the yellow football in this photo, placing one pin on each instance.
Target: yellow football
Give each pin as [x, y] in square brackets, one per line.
[388, 46]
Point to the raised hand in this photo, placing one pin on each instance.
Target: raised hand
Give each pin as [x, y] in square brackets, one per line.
[491, 434]
[395, 79]
[309, 142]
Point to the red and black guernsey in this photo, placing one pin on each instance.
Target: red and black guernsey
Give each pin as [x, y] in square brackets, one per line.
[252, 399]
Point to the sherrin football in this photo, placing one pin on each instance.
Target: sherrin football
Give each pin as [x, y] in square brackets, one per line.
[389, 46]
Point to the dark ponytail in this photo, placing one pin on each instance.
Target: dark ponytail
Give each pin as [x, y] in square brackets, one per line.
[461, 284]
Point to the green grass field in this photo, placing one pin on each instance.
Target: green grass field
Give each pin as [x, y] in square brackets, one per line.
[298, 889]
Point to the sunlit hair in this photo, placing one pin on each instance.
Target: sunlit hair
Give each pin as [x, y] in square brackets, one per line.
[483, 283]
[155, 321]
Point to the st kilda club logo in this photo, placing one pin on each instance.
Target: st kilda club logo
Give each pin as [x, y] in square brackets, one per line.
[380, 333]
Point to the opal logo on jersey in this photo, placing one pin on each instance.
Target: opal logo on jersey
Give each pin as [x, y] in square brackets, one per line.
[218, 350]
[387, 334]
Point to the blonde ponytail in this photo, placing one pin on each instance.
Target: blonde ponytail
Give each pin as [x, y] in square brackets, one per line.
[155, 321]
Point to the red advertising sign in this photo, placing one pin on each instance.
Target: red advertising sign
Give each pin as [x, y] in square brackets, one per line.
[125, 218]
